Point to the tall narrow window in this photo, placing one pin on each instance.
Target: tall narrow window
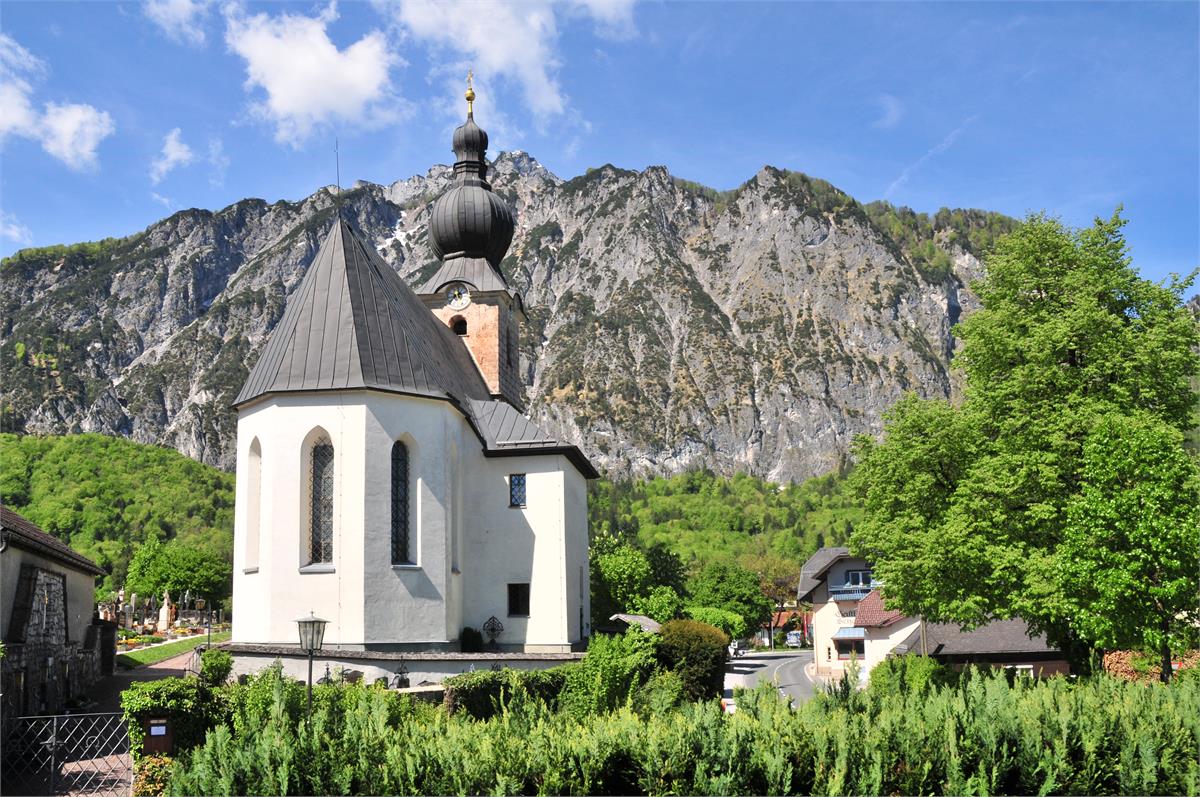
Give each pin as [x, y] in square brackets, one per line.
[320, 503]
[518, 600]
[253, 506]
[401, 554]
[516, 489]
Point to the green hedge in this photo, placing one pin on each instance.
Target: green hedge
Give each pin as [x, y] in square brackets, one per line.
[188, 703]
[983, 735]
[480, 694]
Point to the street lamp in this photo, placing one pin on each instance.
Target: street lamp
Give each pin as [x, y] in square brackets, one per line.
[312, 633]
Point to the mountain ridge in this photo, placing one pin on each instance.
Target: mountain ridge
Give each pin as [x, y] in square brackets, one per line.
[671, 326]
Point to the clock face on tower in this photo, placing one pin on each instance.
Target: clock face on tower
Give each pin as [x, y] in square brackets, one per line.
[458, 297]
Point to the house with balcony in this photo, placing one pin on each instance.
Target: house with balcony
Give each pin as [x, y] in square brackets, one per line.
[851, 623]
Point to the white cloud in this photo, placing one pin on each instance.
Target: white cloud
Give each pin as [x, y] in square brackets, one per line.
[174, 153]
[218, 161]
[13, 230]
[891, 110]
[308, 81]
[71, 132]
[165, 201]
[515, 40]
[181, 20]
[945, 144]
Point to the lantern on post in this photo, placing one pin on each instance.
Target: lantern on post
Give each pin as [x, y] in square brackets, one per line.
[312, 634]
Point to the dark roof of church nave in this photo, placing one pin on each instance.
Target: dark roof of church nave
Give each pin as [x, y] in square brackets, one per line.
[354, 323]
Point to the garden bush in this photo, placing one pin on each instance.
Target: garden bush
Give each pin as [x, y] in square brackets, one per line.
[188, 703]
[151, 774]
[480, 694]
[903, 674]
[215, 666]
[981, 735]
[696, 652]
[613, 669]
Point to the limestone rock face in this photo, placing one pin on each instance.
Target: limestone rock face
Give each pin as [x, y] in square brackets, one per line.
[670, 326]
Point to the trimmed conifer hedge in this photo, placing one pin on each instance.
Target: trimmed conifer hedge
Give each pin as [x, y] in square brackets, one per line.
[980, 735]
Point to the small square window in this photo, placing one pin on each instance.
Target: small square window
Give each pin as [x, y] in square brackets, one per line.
[518, 600]
[516, 489]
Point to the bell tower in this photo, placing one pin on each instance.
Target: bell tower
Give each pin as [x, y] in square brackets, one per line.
[470, 229]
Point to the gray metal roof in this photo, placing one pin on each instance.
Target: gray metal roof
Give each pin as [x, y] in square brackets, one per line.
[647, 624]
[353, 323]
[815, 567]
[475, 271]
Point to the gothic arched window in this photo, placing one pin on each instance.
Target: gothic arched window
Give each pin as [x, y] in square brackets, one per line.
[400, 548]
[253, 506]
[320, 501]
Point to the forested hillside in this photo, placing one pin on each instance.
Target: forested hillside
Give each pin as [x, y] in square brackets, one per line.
[106, 496]
[706, 518]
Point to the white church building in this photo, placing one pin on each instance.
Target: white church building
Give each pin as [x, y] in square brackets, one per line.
[387, 478]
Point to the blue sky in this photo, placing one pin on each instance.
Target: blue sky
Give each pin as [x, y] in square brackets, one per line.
[112, 115]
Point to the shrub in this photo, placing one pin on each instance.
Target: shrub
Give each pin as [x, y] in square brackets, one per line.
[696, 652]
[1095, 736]
[190, 706]
[480, 694]
[659, 695]
[470, 641]
[904, 674]
[151, 774]
[215, 666]
[614, 667]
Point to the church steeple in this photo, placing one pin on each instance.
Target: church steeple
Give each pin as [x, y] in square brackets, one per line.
[470, 229]
[470, 220]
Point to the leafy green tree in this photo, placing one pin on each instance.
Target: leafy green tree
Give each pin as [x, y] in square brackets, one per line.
[732, 588]
[778, 579]
[732, 624]
[967, 506]
[662, 604]
[178, 568]
[1131, 551]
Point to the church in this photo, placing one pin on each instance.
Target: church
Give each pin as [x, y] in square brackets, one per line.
[388, 480]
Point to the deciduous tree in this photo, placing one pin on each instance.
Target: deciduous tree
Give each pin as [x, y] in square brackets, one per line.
[968, 506]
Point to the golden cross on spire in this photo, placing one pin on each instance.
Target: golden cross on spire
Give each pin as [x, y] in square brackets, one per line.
[470, 95]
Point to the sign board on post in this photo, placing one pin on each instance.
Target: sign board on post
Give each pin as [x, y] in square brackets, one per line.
[159, 738]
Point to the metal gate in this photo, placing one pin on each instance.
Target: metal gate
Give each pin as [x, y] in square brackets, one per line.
[67, 754]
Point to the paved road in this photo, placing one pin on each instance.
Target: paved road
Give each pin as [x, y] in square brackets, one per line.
[785, 669]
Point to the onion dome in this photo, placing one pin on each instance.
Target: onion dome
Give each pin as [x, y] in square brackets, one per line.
[469, 220]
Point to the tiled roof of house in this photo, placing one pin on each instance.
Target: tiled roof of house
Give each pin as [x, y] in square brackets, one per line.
[872, 614]
[23, 533]
[999, 636]
[816, 565]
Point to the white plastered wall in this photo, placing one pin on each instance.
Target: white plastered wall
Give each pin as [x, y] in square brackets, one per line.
[466, 542]
[268, 602]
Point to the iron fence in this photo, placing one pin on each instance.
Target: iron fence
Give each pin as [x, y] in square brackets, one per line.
[67, 754]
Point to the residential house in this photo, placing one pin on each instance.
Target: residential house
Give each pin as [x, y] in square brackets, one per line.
[850, 622]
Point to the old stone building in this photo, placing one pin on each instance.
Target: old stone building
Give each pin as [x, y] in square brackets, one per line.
[47, 594]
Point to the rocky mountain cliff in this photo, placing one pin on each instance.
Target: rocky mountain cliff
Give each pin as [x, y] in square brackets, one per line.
[670, 326]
